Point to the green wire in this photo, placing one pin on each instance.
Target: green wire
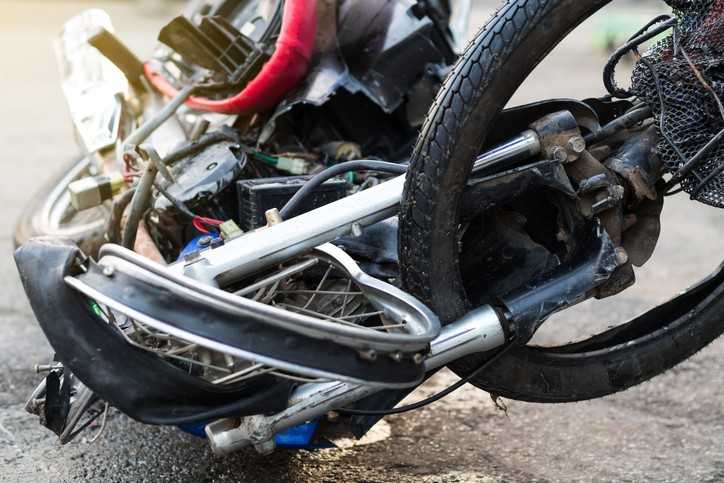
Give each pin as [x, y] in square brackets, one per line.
[273, 161]
[96, 308]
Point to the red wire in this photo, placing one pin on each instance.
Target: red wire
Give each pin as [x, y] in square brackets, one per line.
[199, 226]
[210, 221]
[201, 222]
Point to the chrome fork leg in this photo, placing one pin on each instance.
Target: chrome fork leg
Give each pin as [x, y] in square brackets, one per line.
[479, 331]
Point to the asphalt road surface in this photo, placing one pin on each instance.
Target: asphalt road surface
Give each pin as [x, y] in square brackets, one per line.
[670, 429]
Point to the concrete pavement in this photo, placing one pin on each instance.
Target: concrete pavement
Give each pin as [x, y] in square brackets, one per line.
[669, 429]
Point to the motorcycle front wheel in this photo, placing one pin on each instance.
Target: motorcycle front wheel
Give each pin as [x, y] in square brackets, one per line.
[49, 212]
[491, 70]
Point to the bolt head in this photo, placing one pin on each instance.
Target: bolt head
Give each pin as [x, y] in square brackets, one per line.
[621, 256]
[577, 144]
[396, 356]
[368, 355]
[559, 154]
[108, 270]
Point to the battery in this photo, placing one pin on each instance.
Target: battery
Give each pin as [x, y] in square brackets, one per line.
[257, 196]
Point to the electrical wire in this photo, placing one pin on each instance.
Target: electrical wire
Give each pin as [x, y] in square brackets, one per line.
[194, 147]
[292, 206]
[178, 204]
[270, 160]
[200, 223]
[118, 207]
[661, 18]
[199, 227]
[431, 399]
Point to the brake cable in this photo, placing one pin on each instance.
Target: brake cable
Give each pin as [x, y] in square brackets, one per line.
[434, 398]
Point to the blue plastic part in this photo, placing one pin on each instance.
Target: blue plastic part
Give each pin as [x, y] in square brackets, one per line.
[193, 245]
[196, 429]
[298, 437]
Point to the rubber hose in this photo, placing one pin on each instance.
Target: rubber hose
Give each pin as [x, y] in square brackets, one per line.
[290, 209]
[287, 66]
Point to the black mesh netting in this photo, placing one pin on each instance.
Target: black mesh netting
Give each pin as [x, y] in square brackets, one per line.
[687, 111]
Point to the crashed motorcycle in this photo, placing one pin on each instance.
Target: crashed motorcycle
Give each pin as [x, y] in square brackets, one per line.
[298, 211]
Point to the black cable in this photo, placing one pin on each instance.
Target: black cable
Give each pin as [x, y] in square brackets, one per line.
[183, 208]
[274, 24]
[197, 146]
[290, 209]
[609, 71]
[180, 205]
[674, 191]
[661, 18]
[431, 399]
[85, 425]
[696, 160]
[113, 230]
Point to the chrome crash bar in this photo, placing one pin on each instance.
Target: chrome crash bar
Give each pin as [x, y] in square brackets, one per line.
[479, 331]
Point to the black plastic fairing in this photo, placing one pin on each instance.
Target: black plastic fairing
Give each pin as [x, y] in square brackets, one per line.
[137, 382]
